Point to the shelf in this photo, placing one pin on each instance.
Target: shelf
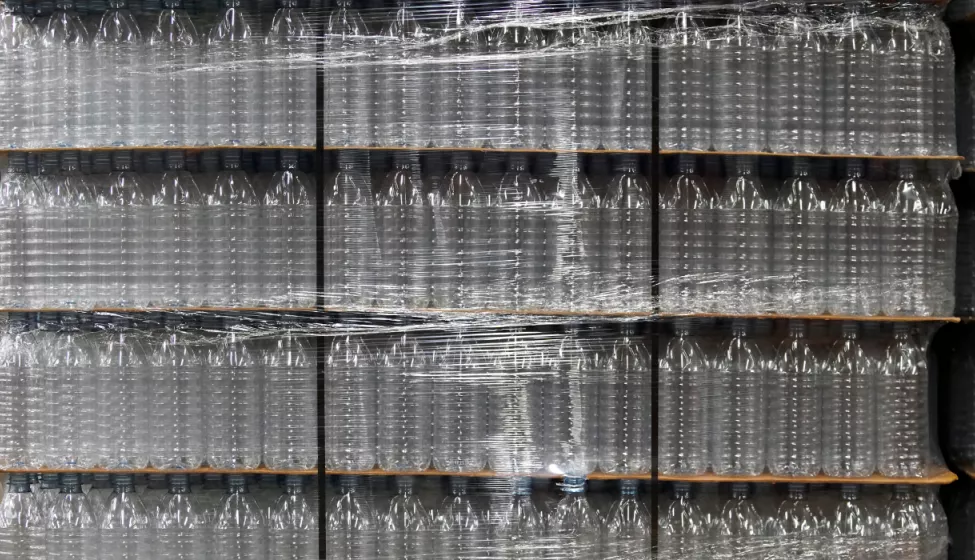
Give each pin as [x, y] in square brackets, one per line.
[153, 149]
[874, 318]
[147, 471]
[834, 156]
[160, 310]
[943, 476]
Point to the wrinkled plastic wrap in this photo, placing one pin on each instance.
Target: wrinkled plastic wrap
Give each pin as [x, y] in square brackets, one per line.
[468, 518]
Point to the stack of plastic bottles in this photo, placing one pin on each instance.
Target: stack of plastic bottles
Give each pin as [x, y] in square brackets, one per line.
[524, 518]
[154, 234]
[58, 516]
[126, 396]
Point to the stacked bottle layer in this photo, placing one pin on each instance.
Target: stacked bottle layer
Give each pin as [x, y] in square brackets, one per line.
[796, 403]
[60, 518]
[159, 237]
[367, 519]
[71, 84]
[738, 401]
[80, 396]
[780, 78]
[565, 232]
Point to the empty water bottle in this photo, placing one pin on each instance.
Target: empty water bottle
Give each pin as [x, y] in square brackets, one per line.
[903, 435]
[907, 239]
[795, 81]
[738, 405]
[179, 524]
[738, 63]
[176, 408]
[288, 214]
[71, 523]
[683, 437]
[627, 229]
[22, 535]
[293, 524]
[854, 245]
[625, 105]
[405, 528]
[405, 435]
[628, 524]
[351, 243]
[941, 270]
[350, 523]
[739, 524]
[232, 411]
[289, 78]
[177, 98]
[124, 529]
[794, 407]
[350, 413]
[64, 80]
[854, 92]
[118, 79]
[684, 528]
[574, 525]
[123, 392]
[234, 86]
[347, 78]
[907, 96]
[685, 85]
[517, 525]
[849, 423]
[289, 400]
[238, 531]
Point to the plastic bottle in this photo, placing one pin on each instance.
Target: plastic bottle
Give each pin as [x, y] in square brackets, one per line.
[625, 105]
[26, 199]
[406, 235]
[72, 529]
[934, 524]
[799, 248]
[122, 243]
[464, 257]
[854, 245]
[849, 421]
[795, 407]
[572, 232]
[288, 214]
[685, 85]
[405, 528]
[239, 530]
[347, 78]
[514, 92]
[517, 527]
[123, 399]
[17, 359]
[798, 530]
[907, 96]
[683, 437]
[795, 82]
[944, 241]
[744, 246]
[580, 365]
[628, 524]
[405, 436]
[179, 525]
[901, 525]
[64, 80]
[289, 79]
[850, 530]
[124, 530]
[15, 193]
[903, 435]
[738, 405]
[350, 412]
[176, 408]
[516, 238]
[460, 409]
[289, 370]
[68, 225]
[624, 406]
[687, 248]
[854, 91]
[574, 525]
[234, 86]
[627, 229]
[22, 535]
[71, 399]
[351, 243]
[233, 214]
[907, 238]
[119, 79]
[293, 524]
[398, 80]
[942, 88]
[19, 45]
[684, 529]
[458, 81]
[233, 408]
[177, 98]
[738, 64]
[739, 524]
[351, 527]
[175, 235]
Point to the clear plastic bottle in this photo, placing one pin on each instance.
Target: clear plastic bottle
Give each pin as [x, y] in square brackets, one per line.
[798, 529]
[239, 530]
[849, 418]
[123, 399]
[460, 409]
[794, 416]
[684, 528]
[68, 226]
[516, 526]
[22, 535]
[625, 103]
[398, 80]
[853, 85]
[17, 359]
[907, 96]
[574, 524]
[854, 245]
[903, 434]
[572, 232]
[738, 405]
[180, 526]
[233, 215]
[934, 524]
[514, 91]
[683, 437]
[406, 235]
[71, 392]
[795, 81]
[289, 215]
[627, 229]
[19, 45]
[175, 235]
[176, 409]
[738, 64]
[350, 412]
[942, 64]
[64, 80]
[944, 241]
[177, 98]
[405, 437]
[799, 246]
[462, 257]
[739, 525]
[124, 531]
[687, 260]
[351, 243]
[685, 85]
[459, 81]
[72, 529]
[234, 89]
[628, 524]
[850, 529]
[293, 524]
[232, 411]
[347, 78]
[351, 527]
[120, 243]
[406, 527]
[289, 78]
[901, 526]
[744, 245]
[906, 243]
[289, 370]
[624, 406]
[19, 199]
[119, 79]
[580, 367]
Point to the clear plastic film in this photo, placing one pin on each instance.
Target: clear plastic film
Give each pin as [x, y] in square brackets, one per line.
[371, 517]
